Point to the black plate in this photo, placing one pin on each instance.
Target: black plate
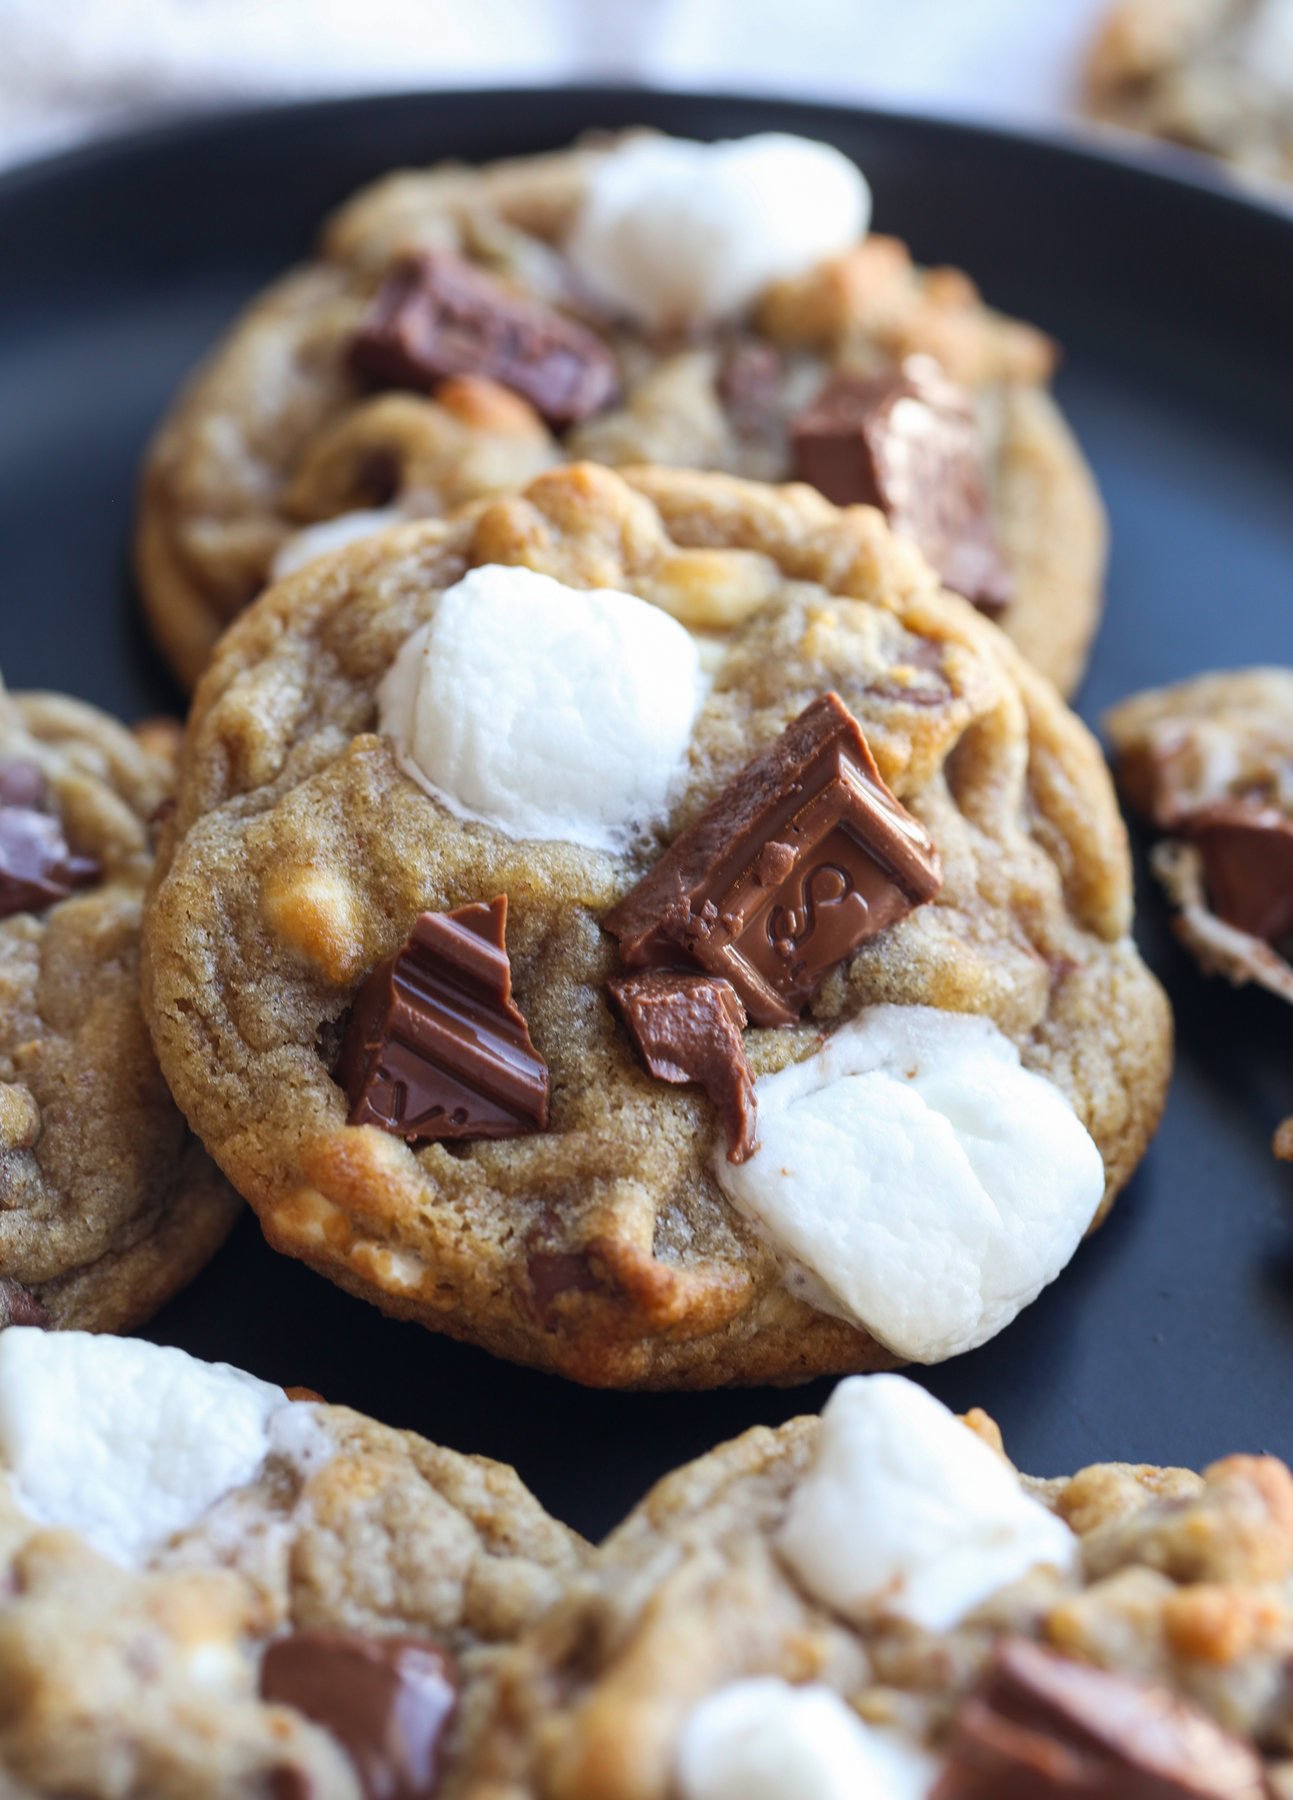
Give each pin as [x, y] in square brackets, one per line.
[1171, 1337]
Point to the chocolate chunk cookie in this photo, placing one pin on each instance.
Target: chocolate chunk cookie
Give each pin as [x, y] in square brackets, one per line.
[107, 1204]
[441, 789]
[875, 1602]
[248, 1595]
[640, 299]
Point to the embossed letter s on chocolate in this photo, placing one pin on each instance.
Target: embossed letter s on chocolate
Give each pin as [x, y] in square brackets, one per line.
[435, 1046]
[803, 857]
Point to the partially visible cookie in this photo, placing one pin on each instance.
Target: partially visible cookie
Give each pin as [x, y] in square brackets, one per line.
[517, 855]
[1214, 75]
[107, 1204]
[211, 1592]
[637, 299]
[875, 1603]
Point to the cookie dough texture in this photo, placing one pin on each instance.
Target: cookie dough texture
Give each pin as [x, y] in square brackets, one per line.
[1181, 1582]
[142, 1683]
[107, 1204]
[1213, 75]
[275, 433]
[300, 854]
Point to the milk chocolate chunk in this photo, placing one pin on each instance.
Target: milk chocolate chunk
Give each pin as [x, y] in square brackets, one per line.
[388, 1702]
[19, 1306]
[1247, 853]
[803, 857]
[908, 442]
[435, 1046]
[36, 865]
[436, 315]
[688, 1027]
[1044, 1728]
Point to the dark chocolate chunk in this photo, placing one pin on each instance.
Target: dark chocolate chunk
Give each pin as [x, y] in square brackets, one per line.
[436, 315]
[687, 1027]
[36, 865]
[435, 1046]
[908, 442]
[1247, 852]
[388, 1702]
[552, 1273]
[19, 1306]
[801, 858]
[1042, 1727]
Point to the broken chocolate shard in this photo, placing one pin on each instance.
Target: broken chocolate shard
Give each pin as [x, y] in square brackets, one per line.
[687, 1027]
[908, 442]
[437, 315]
[388, 1701]
[1042, 1727]
[19, 1306]
[1247, 852]
[37, 867]
[435, 1046]
[802, 858]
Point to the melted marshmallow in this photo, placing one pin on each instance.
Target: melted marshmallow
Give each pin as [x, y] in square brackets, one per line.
[313, 541]
[763, 1739]
[122, 1441]
[672, 232]
[543, 710]
[924, 1179]
[904, 1510]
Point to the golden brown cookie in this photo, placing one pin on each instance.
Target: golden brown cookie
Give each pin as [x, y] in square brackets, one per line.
[107, 1205]
[249, 1595]
[278, 432]
[610, 1245]
[875, 1602]
[1214, 75]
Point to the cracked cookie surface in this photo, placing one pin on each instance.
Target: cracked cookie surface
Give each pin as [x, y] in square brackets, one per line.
[300, 854]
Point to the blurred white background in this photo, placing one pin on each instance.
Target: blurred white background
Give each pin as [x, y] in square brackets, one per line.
[69, 68]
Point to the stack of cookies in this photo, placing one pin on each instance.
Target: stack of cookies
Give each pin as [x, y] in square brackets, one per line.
[630, 894]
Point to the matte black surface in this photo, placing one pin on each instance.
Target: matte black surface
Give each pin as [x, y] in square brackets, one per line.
[1171, 1337]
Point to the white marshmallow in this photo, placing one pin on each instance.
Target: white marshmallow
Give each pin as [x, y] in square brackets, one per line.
[122, 1441]
[1266, 46]
[905, 1511]
[543, 710]
[673, 232]
[763, 1739]
[928, 1181]
[313, 541]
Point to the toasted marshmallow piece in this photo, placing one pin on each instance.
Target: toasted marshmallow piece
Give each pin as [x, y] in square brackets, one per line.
[544, 710]
[122, 1441]
[313, 541]
[904, 1510]
[671, 232]
[929, 1183]
[763, 1739]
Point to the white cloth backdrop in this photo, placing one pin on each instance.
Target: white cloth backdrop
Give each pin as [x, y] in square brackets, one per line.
[69, 68]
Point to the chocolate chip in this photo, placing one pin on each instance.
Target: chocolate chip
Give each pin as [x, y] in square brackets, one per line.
[749, 381]
[1042, 1727]
[688, 1027]
[36, 865]
[1247, 851]
[387, 1700]
[801, 858]
[908, 442]
[552, 1273]
[435, 1046]
[436, 315]
[19, 1306]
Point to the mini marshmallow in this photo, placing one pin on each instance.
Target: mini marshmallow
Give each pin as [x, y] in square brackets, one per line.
[122, 1441]
[672, 232]
[313, 541]
[544, 710]
[930, 1183]
[905, 1511]
[763, 1739]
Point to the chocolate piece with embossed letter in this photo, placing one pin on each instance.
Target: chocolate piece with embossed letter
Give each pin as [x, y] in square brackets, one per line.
[687, 1027]
[800, 859]
[435, 1046]
[436, 315]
